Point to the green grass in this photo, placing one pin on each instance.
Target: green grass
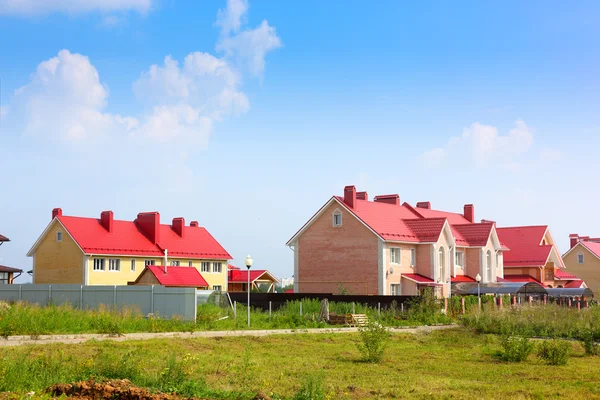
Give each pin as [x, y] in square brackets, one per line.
[542, 321]
[33, 320]
[443, 364]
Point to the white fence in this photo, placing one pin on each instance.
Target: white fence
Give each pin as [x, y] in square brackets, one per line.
[159, 300]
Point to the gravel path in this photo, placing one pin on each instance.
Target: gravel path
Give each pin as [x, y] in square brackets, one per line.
[81, 338]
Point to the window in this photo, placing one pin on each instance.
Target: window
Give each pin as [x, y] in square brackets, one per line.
[488, 267]
[413, 257]
[99, 264]
[190, 264]
[580, 258]
[132, 265]
[442, 264]
[395, 289]
[395, 255]
[175, 263]
[149, 262]
[459, 259]
[205, 267]
[114, 264]
[59, 236]
[217, 288]
[3, 278]
[337, 218]
[217, 267]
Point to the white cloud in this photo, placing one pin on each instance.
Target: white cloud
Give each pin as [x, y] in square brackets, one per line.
[39, 7]
[550, 155]
[485, 145]
[232, 17]
[65, 98]
[3, 111]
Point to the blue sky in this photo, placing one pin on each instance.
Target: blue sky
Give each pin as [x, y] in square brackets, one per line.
[281, 104]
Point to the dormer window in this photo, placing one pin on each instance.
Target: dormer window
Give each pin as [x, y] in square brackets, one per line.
[59, 236]
[337, 218]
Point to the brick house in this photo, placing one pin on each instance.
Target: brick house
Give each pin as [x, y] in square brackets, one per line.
[583, 260]
[534, 257]
[384, 247]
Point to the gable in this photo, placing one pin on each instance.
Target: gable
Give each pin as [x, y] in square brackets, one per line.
[49, 234]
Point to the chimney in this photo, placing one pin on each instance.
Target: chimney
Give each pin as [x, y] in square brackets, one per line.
[469, 212]
[350, 196]
[149, 224]
[424, 204]
[388, 198]
[178, 225]
[574, 239]
[362, 196]
[57, 212]
[194, 224]
[106, 220]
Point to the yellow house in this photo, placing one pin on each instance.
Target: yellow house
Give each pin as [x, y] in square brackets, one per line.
[583, 260]
[105, 251]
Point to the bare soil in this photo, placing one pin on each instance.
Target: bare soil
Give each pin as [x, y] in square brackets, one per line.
[112, 389]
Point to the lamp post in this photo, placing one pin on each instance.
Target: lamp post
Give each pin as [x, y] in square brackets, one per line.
[478, 279]
[248, 265]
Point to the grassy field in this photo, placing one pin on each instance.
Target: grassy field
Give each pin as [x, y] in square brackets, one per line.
[26, 319]
[444, 364]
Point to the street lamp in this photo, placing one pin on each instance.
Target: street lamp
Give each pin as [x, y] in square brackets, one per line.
[248, 265]
[478, 279]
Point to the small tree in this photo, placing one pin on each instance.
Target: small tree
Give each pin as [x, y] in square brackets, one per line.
[374, 338]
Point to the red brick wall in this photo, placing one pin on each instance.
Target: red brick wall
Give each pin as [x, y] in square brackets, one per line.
[346, 255]
[473, 260]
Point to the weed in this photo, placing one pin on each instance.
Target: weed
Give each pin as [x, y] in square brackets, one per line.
[515, 348]
[312, 388]
[374, 338]
[589, 344]
[554, 352]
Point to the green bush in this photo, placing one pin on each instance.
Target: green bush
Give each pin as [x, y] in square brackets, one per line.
[374, 338]
[515, 348]
[312, 389]
[554, 352]
[589, 344]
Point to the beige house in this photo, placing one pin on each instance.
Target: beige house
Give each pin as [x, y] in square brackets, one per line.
[583, 260]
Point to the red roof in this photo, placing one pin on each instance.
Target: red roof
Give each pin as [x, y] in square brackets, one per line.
[4, 268]
[288, 291]
[519, 278]
[574, 284]
[419, 279]
[461, 278]
[229, 266]
[564, 276]
[525, 246]
[4, 239]
[241, 276]
[410, 224]
[127, 239]
[592, 246]
[178, 276]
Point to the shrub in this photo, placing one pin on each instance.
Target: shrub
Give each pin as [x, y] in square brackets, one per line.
[374, 339]
[589, 344]
[312, 389]
[515, 348]
[554, 352]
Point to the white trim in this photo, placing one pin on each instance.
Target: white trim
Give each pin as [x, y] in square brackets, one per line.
[337, 212]
[85, 265]
[33, 270]
[380, 267]
[420, 283]
[320, 212]
[399, 258]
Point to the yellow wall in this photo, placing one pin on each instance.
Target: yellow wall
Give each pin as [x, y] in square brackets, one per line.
[589, 271]
[107, 277]
[58, 262]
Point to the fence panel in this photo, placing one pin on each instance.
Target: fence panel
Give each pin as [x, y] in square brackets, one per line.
[165, 302]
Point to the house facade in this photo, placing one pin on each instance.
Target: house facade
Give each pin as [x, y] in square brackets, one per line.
[105, 251]
[7, 274]
[533, 256]
[583, 260]
[238, 279]
[353, 245]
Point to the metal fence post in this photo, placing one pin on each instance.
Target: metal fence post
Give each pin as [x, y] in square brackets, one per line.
[270, 309]
[20, 295]
[300, 307]
[115, 297]
[235, 310]
[353, 308]
[81, 297]
[49, 294]
[402, 307]
[379, 310]
[152, 299]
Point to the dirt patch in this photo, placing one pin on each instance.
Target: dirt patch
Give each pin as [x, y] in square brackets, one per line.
[112, 389]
